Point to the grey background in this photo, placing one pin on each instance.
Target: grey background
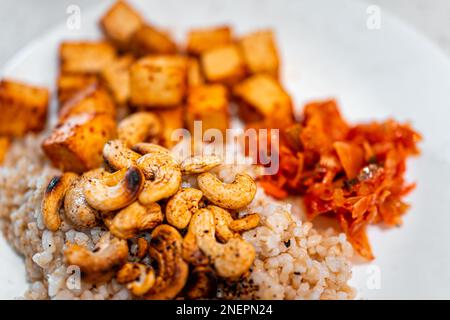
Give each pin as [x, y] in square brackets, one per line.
[22, 20]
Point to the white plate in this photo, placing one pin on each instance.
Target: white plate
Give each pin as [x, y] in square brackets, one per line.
[327, 51]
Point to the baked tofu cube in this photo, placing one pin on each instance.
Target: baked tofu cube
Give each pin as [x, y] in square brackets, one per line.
[120, 22]
[4, 147]
[171, 120]
[194, 73]
[92, 99]
[208, 104]
[149, 40]
[23, 108]
[262, 97]
[224, 64]
[77, 143]
[85, 57]
[116, 76]
[72, 83]
[158, 81]
[201, 40]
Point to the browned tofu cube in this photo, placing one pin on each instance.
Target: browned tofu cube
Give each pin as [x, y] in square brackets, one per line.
[4, 147]
[194, 73]
[201, 40]
[260, 52]
[23, 108]
[120, 22]
[85, 57]
[171, 120]
[69, 84]
[92, 99]
[262, 97]
[116, 76]
[224, 64]
[77, 143]
[149, 40]
[208, 104]
[158, 81]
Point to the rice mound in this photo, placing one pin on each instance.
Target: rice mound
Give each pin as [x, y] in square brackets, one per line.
[294, 261]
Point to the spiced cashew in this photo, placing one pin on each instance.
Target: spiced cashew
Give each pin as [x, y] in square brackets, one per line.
[181, 205]
[118, 156]
[138, 277]
[147, 147]
[200, 164]
[53, 199]
[138, 127]
[235, 195]
[202, 283]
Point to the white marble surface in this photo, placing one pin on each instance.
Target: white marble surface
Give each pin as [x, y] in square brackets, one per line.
[23, 20]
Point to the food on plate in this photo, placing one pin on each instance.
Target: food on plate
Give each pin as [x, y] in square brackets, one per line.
[116, 78]
[69, 84]
[203, 39]
[149, 40]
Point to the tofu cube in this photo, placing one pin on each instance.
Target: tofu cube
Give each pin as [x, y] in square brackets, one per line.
[23, 108]
[194, 73]
[171, 120]
[223, 65]
[69, 84]
[116, 76]
[4, 147]
[203, 39]
[149, 40]
[260, 52]
[77, 143]
[92, 99]
[261, 97]
[120, 22]
[158, 81]
[208, 104]
[85, 57]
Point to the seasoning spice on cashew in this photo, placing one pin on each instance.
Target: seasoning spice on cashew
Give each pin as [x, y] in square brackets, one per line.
[181, 205]
[118, 156]
[142, 248]
[235, 195]
[164, 176]
[135, 218]
[53, 199]
[165, 249]
[114, 191]
[138, 277]
[138, 127]
[98, 265]
[202, 283]
[146, 147]
[200, 164]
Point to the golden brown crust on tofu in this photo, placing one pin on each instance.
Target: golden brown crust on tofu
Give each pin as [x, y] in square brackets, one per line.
[194, 73]
[69, 84]
[158, 81]
[203, 39]
[23, 108]
[223, 64]
[92, 99]
[76, 144]
[116, 76]
[149, 40]
[171, 119]
[85, 57]
[4, 147]
[261, 96]
[260, 52]
[120, 22]
[209, 104]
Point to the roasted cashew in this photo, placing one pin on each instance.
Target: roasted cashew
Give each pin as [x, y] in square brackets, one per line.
[202, 283]
[138, 127]
[181, 205]
[232, 259]
[227, 227]
[133, 219]
[142, 248]
[164, 174]
[235, 195]
[146, 147]
[200, 164]
[53, 199]
[103, 195]
[118, 156]
[165, 248]
[138, 277]
[109, 253]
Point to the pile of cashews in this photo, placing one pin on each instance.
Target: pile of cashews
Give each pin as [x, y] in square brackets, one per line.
[139, 190]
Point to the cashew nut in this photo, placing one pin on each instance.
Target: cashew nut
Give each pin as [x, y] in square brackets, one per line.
[200, 164]
[202, 283]
[118, 156]
[103, 195]
[165, 248]
[235, 195]
[164, 174]
[53, 199]
[142, 248]
[181, 205]
[133, 219]
[109, 253]
[146, 147]
[138, 127]
[138, 277]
